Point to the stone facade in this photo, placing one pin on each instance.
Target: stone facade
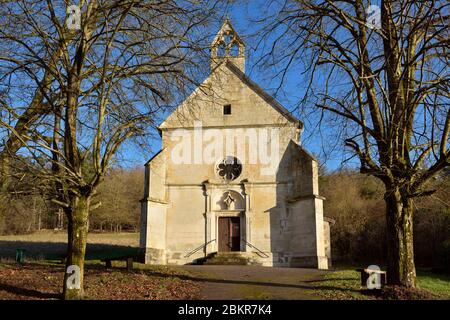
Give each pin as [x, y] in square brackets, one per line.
[202, 196]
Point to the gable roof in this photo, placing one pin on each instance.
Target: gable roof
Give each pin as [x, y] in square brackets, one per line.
[254, 87]
[263, 94]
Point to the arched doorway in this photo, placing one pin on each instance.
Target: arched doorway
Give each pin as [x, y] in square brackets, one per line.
[230, 213]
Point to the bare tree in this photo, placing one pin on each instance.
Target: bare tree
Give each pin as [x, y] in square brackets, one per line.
[120, 191]
[71, 97]
[382, 73]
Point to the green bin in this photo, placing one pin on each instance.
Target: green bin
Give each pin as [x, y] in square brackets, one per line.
[20, 255]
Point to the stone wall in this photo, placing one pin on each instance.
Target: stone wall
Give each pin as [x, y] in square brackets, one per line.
[282, 215]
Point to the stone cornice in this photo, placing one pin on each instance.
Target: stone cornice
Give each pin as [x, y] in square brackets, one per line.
[150, 199]
[287, 124]
[307, 197]
[213, 185]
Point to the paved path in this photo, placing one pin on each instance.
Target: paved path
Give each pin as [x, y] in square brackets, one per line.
[222, 282]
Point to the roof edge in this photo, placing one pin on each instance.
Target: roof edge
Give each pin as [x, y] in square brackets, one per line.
[153, 157]
[263, 94]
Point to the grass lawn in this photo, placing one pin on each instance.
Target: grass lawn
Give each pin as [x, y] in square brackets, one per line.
[122, 238]
[436, 283]
[52, 245]
[345, 283]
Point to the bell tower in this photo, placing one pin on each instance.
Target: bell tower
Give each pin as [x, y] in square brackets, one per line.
[228, 46]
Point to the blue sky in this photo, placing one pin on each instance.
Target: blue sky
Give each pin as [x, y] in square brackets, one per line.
[243, 17]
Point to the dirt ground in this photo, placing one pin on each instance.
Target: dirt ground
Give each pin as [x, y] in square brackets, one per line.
[34, 281]
[224, 282]
[41, 276]
[44, 281]
[39, 279]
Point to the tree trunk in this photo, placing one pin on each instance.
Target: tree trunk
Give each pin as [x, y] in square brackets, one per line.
[39, 220]
[400, 254]
[77, 217]
[4, 173]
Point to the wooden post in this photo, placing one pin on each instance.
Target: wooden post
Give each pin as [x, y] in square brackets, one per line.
[129, 264]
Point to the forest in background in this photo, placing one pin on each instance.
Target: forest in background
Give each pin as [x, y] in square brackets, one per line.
[353, 200]
[118, 210]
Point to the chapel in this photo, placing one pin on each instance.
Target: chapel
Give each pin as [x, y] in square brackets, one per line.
[232, 183]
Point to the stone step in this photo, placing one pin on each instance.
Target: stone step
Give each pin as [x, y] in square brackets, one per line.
[221, 262]
[228, 260]
[231, 258]
[234, 254]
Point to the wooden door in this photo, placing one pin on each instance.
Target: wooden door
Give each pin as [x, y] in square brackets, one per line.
[235, 234]
[229, 234]
[224, 234]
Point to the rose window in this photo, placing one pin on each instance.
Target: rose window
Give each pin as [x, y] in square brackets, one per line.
[229, 168]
